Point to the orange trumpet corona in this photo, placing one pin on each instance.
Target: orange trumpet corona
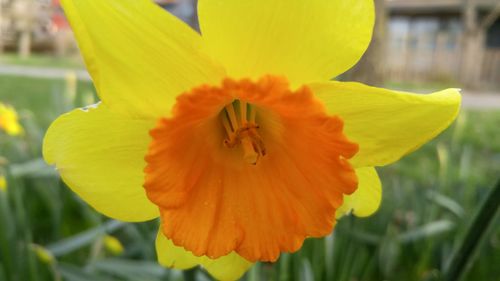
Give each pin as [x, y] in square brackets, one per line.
[250, 167]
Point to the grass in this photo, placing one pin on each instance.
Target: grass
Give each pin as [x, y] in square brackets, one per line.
[41, 60]
[429, 200]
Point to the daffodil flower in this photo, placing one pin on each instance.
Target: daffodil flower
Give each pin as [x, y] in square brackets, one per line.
[9, 120]
[236, 138]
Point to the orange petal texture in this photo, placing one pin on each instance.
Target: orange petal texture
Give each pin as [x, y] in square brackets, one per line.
[212, 202]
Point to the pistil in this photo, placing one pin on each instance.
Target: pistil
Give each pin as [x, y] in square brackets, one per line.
[243, 131]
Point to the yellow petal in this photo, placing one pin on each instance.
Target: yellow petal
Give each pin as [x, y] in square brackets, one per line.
[227, 268]
[313, 40]
[387, 124]
[140, 56]
[172, 256]
[230, 267]
[366, 199]
[100, 156]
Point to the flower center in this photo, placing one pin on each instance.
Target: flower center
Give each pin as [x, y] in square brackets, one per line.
[238, 119]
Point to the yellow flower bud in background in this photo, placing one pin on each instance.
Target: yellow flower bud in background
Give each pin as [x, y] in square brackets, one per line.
[9, 120]
[43, 254]
[113, 245]
[3, 184]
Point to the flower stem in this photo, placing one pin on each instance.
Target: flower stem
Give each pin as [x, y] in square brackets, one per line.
[463, 257]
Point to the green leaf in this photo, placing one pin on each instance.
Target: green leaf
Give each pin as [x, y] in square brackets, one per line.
[446, 203]
[463, 257]
[131, 270]
[426, 231]
[35, 168]
[83, 239]
[73, 273]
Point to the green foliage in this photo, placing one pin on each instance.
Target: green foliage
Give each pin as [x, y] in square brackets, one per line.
[429, 199]
[43, 61]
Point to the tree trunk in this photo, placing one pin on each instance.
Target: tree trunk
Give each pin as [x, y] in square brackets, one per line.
[1, 26]
[25, 44]
[370, 69]
[472, 48]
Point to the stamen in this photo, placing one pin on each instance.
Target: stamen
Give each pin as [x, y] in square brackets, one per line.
[243, 132]
[227, 126]
[252, 115]
[232, 116]
[243, 112]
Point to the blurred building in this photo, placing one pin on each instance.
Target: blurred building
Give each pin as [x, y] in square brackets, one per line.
[24, 23]
[444, 41]
[184, 9]
[40, 25]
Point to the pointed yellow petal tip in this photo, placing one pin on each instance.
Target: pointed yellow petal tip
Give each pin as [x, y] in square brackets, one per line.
[387, 124]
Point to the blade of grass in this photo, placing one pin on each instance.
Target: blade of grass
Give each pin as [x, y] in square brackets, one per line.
[426, 231]
[74, 273]
[6, 237]
[254, 272]
[446, 203]
[133, 270]
[70, 244]
[284, 267]
[34, 168]
[464, 255]
[306, 271]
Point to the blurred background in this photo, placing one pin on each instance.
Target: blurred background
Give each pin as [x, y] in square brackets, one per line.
[429, 198]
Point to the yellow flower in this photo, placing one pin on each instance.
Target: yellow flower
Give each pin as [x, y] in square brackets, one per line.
[9, 121]
[3, 183]
[236, 138]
